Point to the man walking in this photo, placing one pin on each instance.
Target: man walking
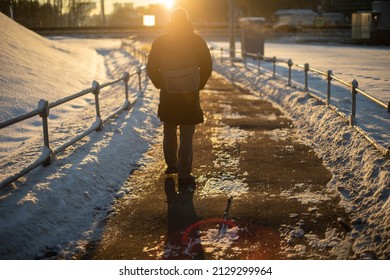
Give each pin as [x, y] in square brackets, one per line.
[179, 65]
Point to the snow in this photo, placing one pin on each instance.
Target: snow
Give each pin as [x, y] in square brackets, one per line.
[26, 77]
[58, 209]
[63, 68]
[368, 65]
[228, 183]
[372, 74]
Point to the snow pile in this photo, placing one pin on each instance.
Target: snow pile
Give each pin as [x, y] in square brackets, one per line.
[62, 70]
[34, 68]
[361, 175]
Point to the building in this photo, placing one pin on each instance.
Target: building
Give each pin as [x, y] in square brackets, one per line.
[381, 14]
[296, 19]
[333, 19]
[381, 21]
[361, 25]
[347, 7]
[374, 25]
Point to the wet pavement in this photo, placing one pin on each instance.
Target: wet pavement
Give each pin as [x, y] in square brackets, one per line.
[247, 150]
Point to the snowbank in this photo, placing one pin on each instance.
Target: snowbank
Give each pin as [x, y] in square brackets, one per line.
[26, 76]
[34, 68]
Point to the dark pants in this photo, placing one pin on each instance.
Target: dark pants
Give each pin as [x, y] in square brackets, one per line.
[182, 158]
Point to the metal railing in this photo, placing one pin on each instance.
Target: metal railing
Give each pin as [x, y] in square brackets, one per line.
[131, 46]
[43, 111]
[353, 86]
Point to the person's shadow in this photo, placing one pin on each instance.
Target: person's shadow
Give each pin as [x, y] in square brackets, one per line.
[181, 243]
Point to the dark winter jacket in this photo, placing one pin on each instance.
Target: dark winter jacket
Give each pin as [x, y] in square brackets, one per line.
[179, 108]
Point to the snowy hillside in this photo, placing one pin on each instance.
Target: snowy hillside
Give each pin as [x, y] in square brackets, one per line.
[57, 210]
[26, 76]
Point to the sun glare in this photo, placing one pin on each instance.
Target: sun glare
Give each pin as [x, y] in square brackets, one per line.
[168, 3]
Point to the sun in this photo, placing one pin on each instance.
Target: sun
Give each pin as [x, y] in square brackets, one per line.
[168, 3]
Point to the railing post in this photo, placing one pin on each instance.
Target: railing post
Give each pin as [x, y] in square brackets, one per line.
[258, 61]
[354, 85]
[244, 54]
[126, 78]
[221, 55]
[43, 106]
[290, 64]
[139, 72]
[329, 78]
[274, 67]
[307, 67]
[96, 91]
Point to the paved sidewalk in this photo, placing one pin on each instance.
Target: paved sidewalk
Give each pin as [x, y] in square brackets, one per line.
[247, 149]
